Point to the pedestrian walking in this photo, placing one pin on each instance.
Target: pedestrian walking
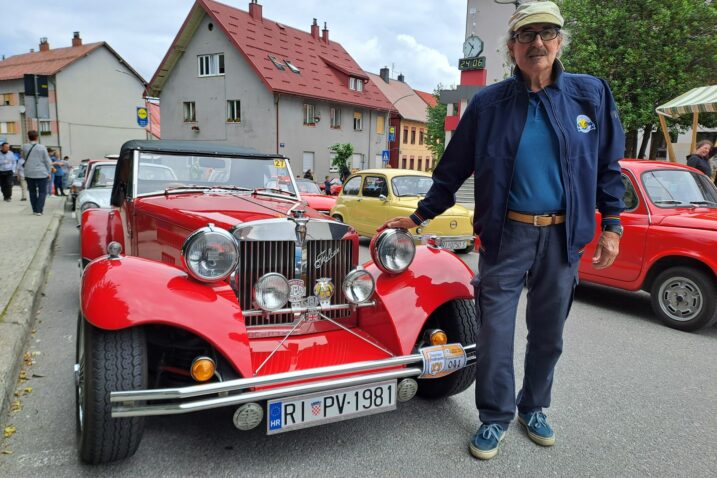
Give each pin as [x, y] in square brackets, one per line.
[327, 186]
[700, 158]
[544, 147]
[20, 172]
[59, 166]
[8, 165]
[37, 168]
[68, 169]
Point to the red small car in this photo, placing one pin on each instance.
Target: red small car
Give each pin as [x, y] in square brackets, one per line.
[336, 187]
[669, 245]
[207, 288]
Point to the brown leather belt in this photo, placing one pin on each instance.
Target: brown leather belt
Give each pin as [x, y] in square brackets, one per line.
[540, 220]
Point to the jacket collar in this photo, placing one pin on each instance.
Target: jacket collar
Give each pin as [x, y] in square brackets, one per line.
[558, 70]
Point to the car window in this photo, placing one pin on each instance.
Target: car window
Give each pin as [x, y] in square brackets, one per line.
[411, 185]
[103, 176]
[630, 197]
[308, 187]
[351, 188]
[374, 186]
[675, 188]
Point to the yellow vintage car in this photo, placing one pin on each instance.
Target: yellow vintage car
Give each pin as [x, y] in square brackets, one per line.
[372, 196]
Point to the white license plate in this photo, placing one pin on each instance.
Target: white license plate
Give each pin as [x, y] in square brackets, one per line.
[455, 244]
[303, 411]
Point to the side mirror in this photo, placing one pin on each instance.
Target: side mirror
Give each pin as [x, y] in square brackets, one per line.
[382, 198]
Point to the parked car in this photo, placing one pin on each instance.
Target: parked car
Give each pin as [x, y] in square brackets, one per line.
[372, 196]
[315, 197]
[669, 245]
[336, 187]
[97, 188]
[76, 180]
[212, 290]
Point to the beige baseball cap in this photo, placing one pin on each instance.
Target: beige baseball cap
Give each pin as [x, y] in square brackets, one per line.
[535, 12]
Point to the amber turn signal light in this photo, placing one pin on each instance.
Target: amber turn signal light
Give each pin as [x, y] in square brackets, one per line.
[438, 337]
[202, 369]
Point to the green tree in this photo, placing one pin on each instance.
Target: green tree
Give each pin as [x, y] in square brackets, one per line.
[435, 129]
[344, 152]
[649, 51]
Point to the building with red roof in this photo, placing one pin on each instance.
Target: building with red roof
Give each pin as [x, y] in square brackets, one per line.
[429, 98]
[90, 109]
[236, 76]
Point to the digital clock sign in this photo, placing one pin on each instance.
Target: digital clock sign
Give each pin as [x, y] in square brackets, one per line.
[471, 63]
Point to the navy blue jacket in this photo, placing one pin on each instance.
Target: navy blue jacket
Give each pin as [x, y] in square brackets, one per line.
[583, 114]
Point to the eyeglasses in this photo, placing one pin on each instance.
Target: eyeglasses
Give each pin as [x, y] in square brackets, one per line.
[528, 36]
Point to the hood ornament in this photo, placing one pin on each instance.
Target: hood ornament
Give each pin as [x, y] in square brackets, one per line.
[297, 215]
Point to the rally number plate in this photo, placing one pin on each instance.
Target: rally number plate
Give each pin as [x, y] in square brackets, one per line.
[303, 411]
[455, 245]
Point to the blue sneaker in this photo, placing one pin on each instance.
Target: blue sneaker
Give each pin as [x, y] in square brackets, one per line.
[484, 444]
[536, 425]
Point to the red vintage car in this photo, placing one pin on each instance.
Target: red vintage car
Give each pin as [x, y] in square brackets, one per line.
[212, 290]
[669, 245]
[336, 187]
[309, 192]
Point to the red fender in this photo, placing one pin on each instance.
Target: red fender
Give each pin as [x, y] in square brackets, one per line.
[94, 233]
[131, 291]
[406, 300]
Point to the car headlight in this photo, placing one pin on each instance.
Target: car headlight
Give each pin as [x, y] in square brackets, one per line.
[210, 254]
[393, 250]
[271, 291]
[88, 204]
[358, 286]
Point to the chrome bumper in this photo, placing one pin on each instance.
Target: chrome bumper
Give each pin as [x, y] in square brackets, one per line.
[216, 395]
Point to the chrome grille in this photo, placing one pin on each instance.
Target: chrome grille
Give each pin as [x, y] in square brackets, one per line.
[257, 258]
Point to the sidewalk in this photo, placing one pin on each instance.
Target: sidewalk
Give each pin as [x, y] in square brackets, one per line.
[25, 253]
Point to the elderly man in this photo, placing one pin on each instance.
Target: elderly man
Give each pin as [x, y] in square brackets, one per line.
[8, 164]
[544, 147]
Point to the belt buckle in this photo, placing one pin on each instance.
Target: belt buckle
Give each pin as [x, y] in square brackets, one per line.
[535, 221]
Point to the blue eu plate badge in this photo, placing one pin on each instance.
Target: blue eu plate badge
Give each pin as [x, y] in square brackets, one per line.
[275, 416]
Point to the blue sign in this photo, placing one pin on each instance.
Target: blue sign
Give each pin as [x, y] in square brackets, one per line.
[385, 156]
[275, 416]
[391, 134]
[142, 116]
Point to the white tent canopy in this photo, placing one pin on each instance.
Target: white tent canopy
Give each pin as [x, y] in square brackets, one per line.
[698, 100]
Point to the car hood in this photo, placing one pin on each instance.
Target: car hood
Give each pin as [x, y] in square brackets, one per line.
[411, 202]
[320, 202]
[195, 210]
[700, 218]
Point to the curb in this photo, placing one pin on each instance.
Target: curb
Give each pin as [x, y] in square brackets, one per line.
[19, 316]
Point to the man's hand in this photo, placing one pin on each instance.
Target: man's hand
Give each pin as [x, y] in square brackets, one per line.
[607, 250]
[398, 223]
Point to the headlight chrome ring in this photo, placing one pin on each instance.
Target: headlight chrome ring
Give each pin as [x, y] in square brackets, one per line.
[359, 286]
[210, 254]
[393, 250]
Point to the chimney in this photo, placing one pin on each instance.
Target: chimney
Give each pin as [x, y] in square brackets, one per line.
[400, 77]
[325, 34]
[255, 10]
[384, 74]
[76, 40]
[32, 50]
[44, 46]
[315, 30]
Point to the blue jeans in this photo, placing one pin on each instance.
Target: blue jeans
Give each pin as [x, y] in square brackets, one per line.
[536, 256]
[38, 192]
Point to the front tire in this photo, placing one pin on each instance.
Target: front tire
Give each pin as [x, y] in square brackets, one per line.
[684, 298]
[338, 217]
[108, 361]
[458, 320]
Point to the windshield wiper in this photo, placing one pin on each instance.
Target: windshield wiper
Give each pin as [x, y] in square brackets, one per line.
[704, 203]
[196, 187]
[670, 201]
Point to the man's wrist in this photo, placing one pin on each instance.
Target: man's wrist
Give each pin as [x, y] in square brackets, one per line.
[417, 219]
[612, 227]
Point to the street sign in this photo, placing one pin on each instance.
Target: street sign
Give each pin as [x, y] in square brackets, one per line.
[385, 156]
[142, 116]
[391, 134]
[36, 84]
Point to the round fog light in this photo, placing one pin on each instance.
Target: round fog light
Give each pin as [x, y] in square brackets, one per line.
[271, 291]
[359, 286]
[202, 369]
[114, 249]
[248, 416]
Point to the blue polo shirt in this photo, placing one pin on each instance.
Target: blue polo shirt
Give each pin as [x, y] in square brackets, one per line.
[537, 185]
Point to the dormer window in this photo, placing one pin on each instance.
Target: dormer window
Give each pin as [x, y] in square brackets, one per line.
[276, 63]
[355, 84]
[292, 67]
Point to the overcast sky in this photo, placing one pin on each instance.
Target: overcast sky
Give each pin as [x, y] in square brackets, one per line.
[421, 39]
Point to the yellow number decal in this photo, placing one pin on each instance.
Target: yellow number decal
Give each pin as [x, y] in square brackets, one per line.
[279, 163]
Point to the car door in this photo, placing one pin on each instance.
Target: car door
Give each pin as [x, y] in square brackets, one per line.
[374, 203]
[348, 201]
[635, 222]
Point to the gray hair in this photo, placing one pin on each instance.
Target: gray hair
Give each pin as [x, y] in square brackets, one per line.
[508, 37]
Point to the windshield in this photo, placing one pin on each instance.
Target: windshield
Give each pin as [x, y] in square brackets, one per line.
[103, 176]
[308, 187]
[678, 188]
[158, 171]
[411, 185]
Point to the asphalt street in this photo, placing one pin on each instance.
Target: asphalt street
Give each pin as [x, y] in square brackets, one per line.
[631, 398]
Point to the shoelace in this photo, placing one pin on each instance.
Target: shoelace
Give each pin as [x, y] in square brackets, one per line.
[538, 419]
[491, 430]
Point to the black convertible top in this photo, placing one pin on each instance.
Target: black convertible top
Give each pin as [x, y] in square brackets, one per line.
[191, 147]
